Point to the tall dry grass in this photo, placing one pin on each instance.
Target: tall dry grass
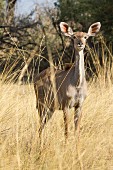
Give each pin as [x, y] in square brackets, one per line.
[20, 147]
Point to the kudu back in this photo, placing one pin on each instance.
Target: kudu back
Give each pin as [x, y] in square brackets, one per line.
[70, 88]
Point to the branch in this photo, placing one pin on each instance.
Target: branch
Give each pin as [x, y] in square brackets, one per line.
[14, 29]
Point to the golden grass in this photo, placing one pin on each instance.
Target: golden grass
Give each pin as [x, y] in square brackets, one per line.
[90, 149]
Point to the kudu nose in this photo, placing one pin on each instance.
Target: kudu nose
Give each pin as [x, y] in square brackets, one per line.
[80, 44]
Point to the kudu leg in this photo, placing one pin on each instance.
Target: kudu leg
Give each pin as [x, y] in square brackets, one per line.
[42, 123]
[65, 112]
[44, 118]
[77, 117]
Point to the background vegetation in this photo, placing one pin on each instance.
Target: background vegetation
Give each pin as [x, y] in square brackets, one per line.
[25, 39]
[29, 44]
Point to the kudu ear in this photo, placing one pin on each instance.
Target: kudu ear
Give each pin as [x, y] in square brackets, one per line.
[64, 27]
[94, 28]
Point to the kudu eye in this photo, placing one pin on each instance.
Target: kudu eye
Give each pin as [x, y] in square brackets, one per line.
[85, 37]
[74, 37]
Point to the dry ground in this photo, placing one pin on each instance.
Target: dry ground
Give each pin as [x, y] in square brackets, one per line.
[89, 149]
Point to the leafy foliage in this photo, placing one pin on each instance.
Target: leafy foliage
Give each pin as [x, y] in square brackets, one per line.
[88, 11]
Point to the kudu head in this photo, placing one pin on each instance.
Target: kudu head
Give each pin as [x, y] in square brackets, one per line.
[79, 38]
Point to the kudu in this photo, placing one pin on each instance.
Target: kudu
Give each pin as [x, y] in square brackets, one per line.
[70, 83]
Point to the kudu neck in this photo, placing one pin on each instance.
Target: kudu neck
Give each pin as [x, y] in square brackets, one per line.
[79, 67]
